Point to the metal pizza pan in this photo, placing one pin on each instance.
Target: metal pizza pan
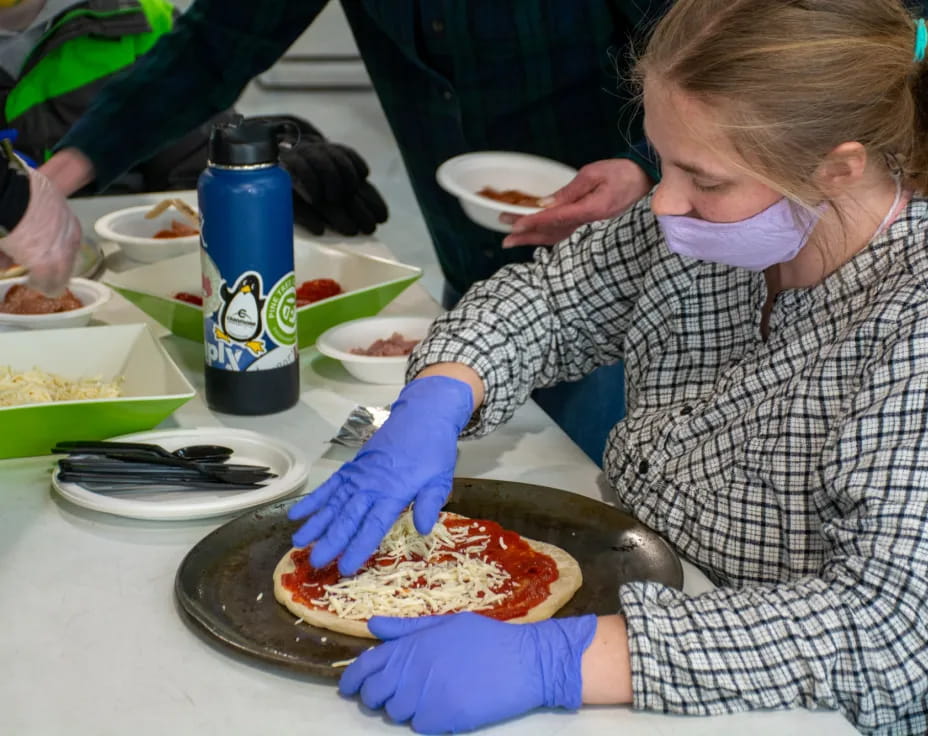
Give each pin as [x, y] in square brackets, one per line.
[225, 590]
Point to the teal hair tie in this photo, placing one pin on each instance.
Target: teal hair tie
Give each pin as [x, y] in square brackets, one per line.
[921, 40]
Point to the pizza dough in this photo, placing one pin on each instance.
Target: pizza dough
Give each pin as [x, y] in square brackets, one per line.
[561, 590]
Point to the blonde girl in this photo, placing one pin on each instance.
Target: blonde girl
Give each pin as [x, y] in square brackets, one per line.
[770, 300]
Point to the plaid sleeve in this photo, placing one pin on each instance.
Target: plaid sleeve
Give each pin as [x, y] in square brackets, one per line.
[191, 74]
[555, 319]
[851, 638]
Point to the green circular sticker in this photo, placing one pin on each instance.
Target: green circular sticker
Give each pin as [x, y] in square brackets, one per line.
[280, 311]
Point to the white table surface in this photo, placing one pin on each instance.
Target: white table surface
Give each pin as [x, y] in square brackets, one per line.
[90, 639]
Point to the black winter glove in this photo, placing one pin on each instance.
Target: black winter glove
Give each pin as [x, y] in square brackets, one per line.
[330, 187]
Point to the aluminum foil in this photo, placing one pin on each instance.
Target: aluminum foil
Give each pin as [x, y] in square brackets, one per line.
[361, 423]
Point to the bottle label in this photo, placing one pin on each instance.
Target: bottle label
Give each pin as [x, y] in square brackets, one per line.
[247, 325]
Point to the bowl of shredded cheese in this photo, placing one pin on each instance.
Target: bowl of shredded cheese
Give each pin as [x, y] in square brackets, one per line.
[84, 383]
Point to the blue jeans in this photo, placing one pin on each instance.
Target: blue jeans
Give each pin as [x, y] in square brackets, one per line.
[587, 409]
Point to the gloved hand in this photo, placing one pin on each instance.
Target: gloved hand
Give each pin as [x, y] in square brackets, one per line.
[330, 187]
[410, 458]
[462, 671]
[47, 238]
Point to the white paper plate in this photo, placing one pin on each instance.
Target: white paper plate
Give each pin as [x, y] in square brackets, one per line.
[249, 447]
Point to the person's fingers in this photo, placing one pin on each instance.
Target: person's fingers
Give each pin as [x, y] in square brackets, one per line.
[380, 517]
[394, 627]
[314, 501]
[535, 239]
[428, 505]
[314, 528]
[379, 687]
[341, 531]
[49, 277]
[576, 189]
[402, 706]
[367, 664]
[553, 225]
[593, 206]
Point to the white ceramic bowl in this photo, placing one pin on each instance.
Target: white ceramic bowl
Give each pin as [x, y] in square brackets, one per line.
[465, 175]
[337, 342]
[134, 233]
[92, 295]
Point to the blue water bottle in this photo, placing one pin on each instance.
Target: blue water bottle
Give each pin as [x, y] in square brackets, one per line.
[249, 299]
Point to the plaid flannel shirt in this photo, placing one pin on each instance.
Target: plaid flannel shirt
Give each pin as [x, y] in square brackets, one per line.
[793, 471]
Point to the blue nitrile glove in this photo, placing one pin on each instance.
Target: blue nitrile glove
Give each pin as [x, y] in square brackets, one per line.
[410, 458]
[462, 671]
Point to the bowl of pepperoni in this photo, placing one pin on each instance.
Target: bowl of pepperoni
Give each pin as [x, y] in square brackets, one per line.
[150, 233]
[374, 349]
[491, 183]
[24, 308]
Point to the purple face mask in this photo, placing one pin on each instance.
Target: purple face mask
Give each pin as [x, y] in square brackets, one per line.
[775, 235]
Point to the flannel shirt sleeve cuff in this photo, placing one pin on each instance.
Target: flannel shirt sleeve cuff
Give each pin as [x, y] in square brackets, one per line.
[709, 655]
[465, 348]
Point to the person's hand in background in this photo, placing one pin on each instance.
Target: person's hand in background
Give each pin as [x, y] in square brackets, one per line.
[600, 190]
[46, 239]
[330, 186]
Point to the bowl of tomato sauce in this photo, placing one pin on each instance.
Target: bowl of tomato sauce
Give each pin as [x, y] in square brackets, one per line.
[149, 239]
[332, 285]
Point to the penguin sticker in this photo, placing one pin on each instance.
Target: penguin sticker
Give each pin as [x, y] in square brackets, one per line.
[239, 318]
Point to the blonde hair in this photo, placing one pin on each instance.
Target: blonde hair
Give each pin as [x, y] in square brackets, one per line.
[793, 79]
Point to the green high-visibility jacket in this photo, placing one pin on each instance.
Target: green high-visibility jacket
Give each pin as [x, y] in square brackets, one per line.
[86, 46]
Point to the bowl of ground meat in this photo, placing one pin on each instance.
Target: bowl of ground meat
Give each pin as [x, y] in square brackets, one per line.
[490, 183]
[374, 349]
[24, 308]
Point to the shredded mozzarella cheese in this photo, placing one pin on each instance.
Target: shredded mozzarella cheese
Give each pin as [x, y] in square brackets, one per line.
[38, 387]
[441, 572]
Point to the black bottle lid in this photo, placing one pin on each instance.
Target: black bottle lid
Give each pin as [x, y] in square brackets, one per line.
[244, 143]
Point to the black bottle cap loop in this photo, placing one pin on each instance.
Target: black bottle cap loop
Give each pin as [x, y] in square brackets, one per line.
[244, 142]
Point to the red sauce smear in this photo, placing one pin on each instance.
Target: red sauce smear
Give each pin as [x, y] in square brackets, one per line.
[186, 296]
[531, 573]
[511, 196]
[178, 229]
[306, 293]
[316, 289]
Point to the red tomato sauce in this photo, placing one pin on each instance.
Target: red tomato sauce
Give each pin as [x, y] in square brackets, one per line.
[186, 296]
[316, 289]
[531, 573]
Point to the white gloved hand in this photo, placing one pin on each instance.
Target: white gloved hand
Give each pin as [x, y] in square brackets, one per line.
[47, 238]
